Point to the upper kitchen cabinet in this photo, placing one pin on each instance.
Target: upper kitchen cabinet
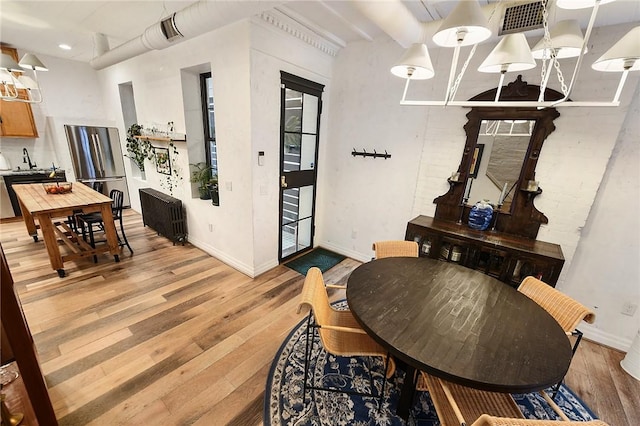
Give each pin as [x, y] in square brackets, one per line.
[16, 118]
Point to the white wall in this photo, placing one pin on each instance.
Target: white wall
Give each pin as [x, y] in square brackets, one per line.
[605, 270]
[374, 199]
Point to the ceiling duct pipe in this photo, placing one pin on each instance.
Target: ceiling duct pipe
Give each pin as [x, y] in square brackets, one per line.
[194, 20]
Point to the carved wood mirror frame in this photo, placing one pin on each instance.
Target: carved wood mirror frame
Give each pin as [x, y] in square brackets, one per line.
[522, 218]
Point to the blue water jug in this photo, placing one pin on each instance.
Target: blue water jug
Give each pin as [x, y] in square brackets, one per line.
[480, 215]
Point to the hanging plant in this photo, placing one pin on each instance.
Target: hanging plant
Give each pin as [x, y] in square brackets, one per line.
[138, 149]
[174, 177]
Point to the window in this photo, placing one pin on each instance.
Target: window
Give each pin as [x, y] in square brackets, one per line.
[208, 118]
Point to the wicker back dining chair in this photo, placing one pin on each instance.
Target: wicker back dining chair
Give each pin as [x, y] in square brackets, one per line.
[565, 310]
[395, 248]
[339, 332]
[486, 420]
[86, 222]
[456, 404]
[459, 405]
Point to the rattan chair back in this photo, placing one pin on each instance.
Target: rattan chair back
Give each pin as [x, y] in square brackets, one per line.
[395, 248]
[566, 311]
[486, 420]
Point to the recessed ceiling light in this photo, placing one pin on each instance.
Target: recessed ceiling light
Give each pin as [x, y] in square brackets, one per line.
[64, 46]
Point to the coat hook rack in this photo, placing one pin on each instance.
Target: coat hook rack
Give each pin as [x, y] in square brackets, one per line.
[373, 154]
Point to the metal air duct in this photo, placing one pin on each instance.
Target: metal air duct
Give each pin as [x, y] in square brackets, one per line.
[194, 20]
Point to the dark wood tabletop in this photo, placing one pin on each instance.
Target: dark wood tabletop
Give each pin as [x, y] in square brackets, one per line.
[458, 324]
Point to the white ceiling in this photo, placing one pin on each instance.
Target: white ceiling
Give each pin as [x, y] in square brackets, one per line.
[40, 26]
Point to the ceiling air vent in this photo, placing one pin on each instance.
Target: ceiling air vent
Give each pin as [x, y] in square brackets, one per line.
[522, 17]
[169, 29]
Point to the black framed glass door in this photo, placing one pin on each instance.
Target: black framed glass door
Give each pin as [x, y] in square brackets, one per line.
[301, 107]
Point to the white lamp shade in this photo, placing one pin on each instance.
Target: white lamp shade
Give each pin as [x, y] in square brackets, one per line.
[566, 40]
[415, 64]
[511, 54]
[625, 54]
[4, 163]
[579, 4]
[466, 17]
[31, 62]
[7, 63]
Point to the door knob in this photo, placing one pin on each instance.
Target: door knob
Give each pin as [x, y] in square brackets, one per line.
[283, 181]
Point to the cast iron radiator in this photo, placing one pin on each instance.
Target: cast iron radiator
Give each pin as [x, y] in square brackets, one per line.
[163, 213]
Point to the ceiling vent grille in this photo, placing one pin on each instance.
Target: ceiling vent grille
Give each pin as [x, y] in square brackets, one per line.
[523, 17]
[169, 29]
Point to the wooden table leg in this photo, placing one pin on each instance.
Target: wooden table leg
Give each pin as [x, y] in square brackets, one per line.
[110, 231]
[29, 222]
[51, 243]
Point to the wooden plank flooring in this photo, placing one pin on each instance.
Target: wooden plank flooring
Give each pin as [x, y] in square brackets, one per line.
[172, 336]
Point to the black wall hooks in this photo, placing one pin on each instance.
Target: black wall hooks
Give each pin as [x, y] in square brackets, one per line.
[373, 154]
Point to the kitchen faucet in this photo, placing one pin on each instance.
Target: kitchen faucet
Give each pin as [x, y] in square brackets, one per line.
[26, 158]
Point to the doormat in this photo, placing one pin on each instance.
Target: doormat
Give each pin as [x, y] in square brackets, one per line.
[318, 257]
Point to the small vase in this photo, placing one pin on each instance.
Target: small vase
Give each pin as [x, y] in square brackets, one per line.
[480, 215]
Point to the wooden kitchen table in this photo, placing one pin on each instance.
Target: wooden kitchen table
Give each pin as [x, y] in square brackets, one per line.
[35, 203]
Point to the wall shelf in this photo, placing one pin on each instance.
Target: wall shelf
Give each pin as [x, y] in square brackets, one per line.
[160, 138]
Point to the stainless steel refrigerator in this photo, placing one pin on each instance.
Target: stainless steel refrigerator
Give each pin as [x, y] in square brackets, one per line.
[97, 158]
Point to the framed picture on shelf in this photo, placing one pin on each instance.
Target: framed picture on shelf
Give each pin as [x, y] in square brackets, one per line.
[163, 162]
[476, 160]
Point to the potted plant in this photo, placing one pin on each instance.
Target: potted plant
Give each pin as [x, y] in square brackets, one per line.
[202, 175]
[138, 149]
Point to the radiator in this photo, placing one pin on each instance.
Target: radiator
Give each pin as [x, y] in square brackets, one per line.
[163, 213]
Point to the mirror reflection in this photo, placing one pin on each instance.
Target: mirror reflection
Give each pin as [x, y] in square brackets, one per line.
[497, 160]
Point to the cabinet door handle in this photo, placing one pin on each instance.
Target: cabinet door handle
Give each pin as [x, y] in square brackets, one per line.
[283, 181]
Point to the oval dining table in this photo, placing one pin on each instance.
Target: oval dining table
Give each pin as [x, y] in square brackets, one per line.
[457, 324]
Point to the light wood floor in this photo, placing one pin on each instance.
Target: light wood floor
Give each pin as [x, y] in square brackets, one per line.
[172, 336]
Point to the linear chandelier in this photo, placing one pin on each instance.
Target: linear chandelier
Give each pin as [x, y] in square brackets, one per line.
[468, 26]
[11, 85]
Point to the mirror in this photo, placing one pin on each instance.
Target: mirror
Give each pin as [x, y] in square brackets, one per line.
[497, 160]
[501, 151]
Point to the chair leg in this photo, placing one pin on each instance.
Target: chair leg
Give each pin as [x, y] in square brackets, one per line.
[124, 236]
[92, 241]
[307, 353]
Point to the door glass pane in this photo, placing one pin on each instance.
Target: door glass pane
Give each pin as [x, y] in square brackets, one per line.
[310, 113]
[308, 154]
[297, 206]
[305, 197]
[291, 152]
[292, 111]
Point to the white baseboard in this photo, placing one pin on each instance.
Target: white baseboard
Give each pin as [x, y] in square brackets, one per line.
[341, 250]
[607, 339]
[223, 257]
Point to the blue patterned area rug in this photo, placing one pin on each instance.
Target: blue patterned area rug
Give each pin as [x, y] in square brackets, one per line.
[283, 404]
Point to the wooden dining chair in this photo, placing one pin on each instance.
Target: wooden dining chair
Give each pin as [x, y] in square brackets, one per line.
[339, 332]
[565, 310]
[88, 221]
[395, 248]
[487, 420]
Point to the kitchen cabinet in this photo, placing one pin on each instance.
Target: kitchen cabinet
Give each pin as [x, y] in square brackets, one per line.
[29, 177]
[16, 118]
[509, 258]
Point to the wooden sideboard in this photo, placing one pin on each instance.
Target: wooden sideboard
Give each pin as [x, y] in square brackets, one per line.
[509, 258]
